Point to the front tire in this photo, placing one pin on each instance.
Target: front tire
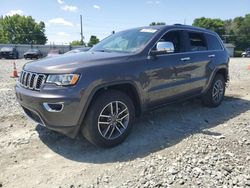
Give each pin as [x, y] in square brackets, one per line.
[216, 92]
[109, 119]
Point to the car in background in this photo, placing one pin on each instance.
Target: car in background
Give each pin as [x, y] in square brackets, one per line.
[54, 53]
[246, 53]
[78, 50]
[9, 53]
[33, 53]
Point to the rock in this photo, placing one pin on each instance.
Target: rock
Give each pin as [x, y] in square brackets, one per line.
[181, 182]
[219, 136]
[247, 183]
[197, 171]
[105, 179]
[235, 181]
[227, 168]
[143, 181]
[171, 180]
[173, 170]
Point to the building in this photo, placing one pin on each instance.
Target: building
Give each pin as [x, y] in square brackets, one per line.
[230, 48]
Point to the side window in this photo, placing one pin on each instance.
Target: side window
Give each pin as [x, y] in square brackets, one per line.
[213, 42]
[197, 42]
[175, 38]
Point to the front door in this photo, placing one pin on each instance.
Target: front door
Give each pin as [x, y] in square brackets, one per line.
[169, 74]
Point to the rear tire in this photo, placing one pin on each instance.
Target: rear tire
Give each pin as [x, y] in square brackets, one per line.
[216, 92]
[109, 119]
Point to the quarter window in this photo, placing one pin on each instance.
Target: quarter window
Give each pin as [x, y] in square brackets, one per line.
[213, 43]
[197, 42]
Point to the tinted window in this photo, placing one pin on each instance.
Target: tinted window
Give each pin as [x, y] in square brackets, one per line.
[213, 43]
[197, 42]
[175, 38]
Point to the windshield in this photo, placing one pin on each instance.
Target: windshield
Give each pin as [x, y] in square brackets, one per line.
[126, 41]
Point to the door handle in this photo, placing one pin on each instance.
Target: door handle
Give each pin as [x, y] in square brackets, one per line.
[211, 56]
[185, 59]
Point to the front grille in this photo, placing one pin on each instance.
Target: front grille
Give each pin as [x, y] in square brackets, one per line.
[31, 80]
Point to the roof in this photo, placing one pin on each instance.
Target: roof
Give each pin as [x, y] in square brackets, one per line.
[180, 26]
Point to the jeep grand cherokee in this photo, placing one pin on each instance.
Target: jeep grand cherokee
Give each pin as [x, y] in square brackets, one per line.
[100, 92]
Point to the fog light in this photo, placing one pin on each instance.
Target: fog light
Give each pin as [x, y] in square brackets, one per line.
[53, 107]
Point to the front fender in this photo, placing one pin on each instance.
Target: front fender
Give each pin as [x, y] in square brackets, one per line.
[95, 87]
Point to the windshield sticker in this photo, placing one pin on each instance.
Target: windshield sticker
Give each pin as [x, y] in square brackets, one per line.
[148, 30]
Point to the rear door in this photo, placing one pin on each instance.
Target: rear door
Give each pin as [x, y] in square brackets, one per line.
[199, 60]
[215, 48]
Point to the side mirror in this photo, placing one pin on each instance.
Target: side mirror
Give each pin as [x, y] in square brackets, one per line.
[163, 48]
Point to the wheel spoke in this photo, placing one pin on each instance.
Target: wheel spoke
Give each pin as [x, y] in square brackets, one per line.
[118, 129]
[107, 130]
[122, 124]
[122, 112]
[105, 123]
[111, 109]
[111, 132]
[105, 116]
[123, 117]
[116, 105]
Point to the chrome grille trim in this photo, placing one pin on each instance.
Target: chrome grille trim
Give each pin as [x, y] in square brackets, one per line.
[32, 81]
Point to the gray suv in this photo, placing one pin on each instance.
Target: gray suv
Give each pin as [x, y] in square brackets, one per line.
[100, 92]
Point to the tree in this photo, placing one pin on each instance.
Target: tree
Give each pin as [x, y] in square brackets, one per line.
[157, 23]
[77, 43]
[18, 29]
[216, 25]
[242, 32]
[236, 31]
[93, 40]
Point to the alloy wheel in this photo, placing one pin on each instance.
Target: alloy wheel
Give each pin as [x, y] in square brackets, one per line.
[113, 120]
[218, 91]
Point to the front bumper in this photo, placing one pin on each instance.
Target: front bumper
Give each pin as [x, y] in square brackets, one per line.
[65, 120]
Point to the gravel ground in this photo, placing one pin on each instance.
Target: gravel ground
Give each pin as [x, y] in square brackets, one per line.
[182, 145]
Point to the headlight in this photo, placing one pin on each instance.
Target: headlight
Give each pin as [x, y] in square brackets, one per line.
[63, 79]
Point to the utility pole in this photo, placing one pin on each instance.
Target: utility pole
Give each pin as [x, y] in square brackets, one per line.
[81, 29]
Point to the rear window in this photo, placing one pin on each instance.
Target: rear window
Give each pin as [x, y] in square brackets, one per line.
[197, 42]
[213, 42]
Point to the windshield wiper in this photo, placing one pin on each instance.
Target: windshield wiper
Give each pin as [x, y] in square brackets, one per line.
[103, 51]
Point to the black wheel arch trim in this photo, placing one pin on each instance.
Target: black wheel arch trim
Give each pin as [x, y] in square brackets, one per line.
[103, 86]
[214, 72]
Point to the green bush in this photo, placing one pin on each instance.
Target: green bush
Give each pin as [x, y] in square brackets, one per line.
[238, 53]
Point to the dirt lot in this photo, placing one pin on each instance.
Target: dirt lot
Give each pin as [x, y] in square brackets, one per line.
[182, 145]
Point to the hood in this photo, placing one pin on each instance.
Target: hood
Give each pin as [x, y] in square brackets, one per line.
[70, 63]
